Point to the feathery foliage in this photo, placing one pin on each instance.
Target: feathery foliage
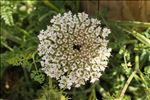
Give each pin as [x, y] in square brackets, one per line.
[126, 78]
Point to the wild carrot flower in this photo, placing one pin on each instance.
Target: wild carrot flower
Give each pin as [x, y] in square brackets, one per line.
[74, 49]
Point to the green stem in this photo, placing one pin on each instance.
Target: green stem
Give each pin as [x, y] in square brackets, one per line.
[133, 23]
[141, 37]
[104, 20]
[137, 65]
[93, 93]
[33, 57]
[130, 77]
[50, 83]
[22, 30]
[137, 35]
[126, 85]
[143, 79]
[11, 37]
[132, 42]
[7, 46]
[101, 90]
[125, 60]
[146, 84]
[52, 6]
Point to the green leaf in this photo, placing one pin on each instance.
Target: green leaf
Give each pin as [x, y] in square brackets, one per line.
[37, 76]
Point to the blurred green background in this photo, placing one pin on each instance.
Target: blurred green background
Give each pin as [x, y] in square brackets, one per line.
[21, 78]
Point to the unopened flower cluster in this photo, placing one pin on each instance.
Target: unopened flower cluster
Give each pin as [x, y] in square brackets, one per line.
[73, 49]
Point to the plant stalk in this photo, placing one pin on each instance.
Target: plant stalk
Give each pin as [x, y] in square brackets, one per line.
[130, 77]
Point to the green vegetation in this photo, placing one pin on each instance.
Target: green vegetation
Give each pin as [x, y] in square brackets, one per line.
[21, 77]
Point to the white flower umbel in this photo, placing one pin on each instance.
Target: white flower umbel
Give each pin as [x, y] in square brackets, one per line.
[74, 49]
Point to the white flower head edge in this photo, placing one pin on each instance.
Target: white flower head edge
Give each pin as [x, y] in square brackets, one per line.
[73, 49]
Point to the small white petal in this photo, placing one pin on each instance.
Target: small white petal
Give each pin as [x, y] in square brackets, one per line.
[73, 49]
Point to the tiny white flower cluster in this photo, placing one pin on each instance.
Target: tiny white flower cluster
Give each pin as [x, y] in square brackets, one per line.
[74, 49]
